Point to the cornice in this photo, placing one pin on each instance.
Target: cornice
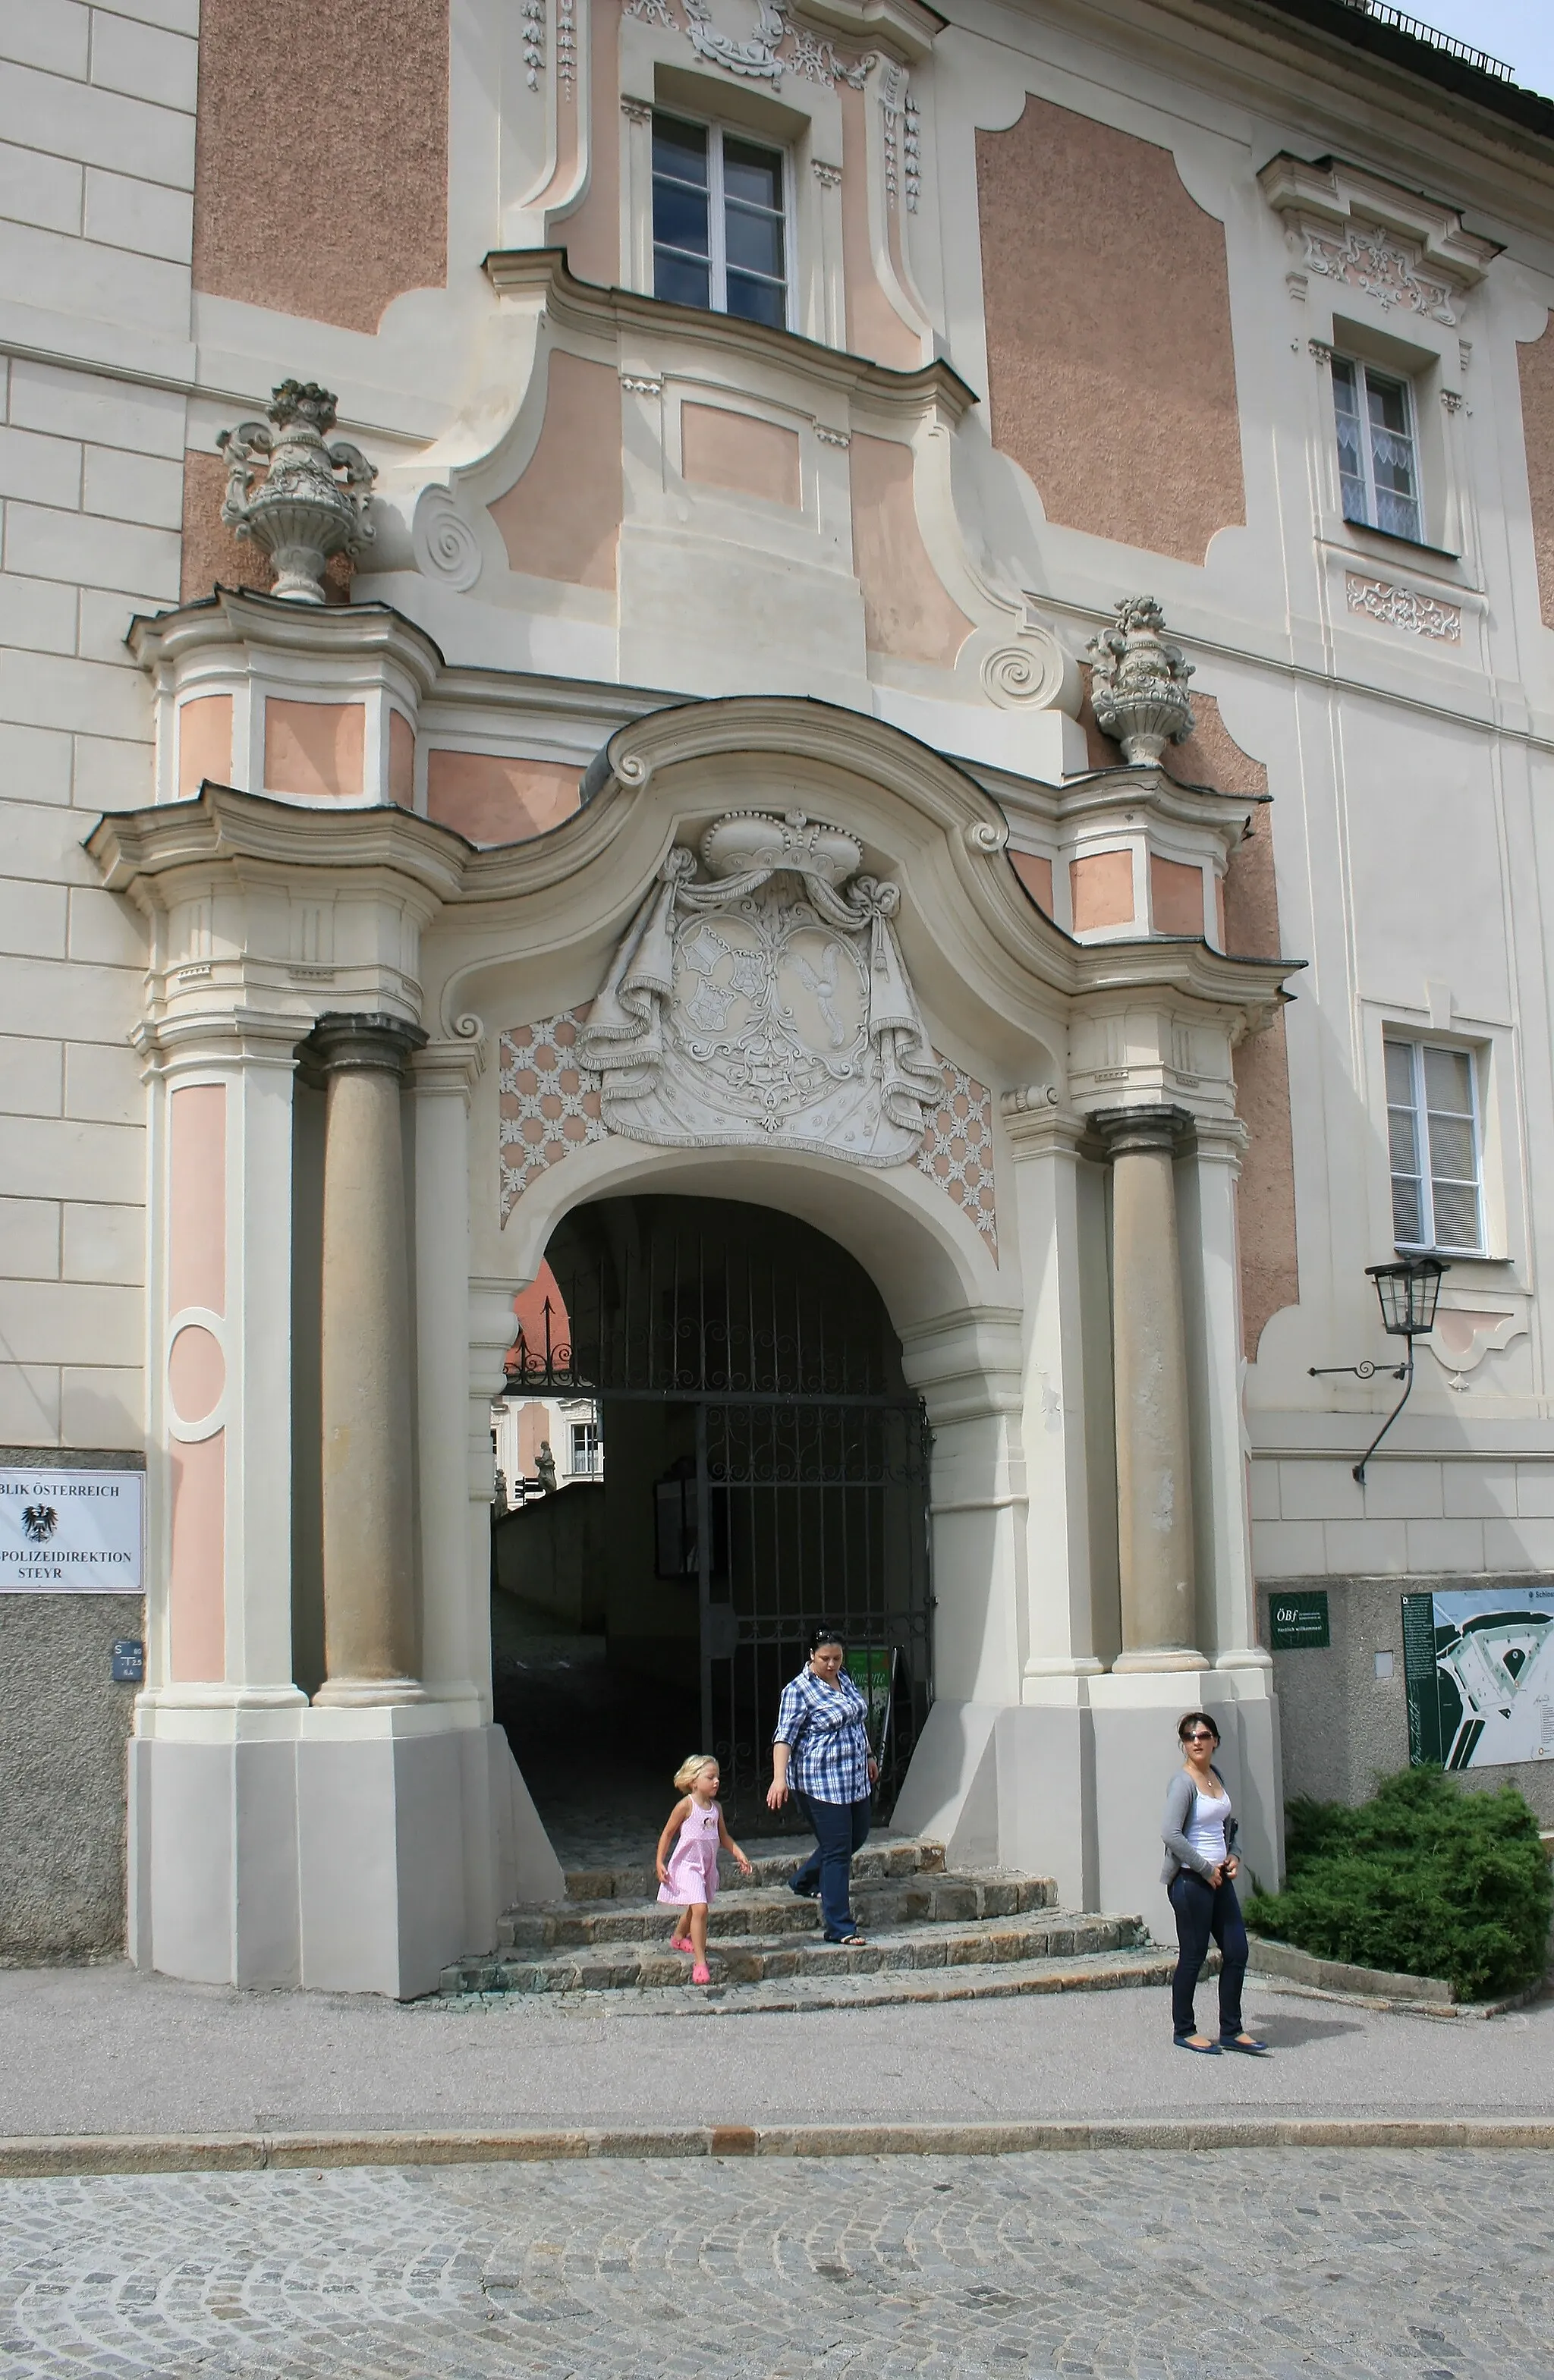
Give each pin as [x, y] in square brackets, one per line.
[1331, 192]
[223, 827]
[906, 26]
[241, 615]
[541, 276]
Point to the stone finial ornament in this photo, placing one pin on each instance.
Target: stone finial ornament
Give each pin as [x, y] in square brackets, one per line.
[301, 511]
[1139, 688]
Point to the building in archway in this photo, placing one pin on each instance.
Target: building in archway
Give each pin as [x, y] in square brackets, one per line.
[698, 717]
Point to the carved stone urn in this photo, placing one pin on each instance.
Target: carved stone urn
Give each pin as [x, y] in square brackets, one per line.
[312, 500]
[1139, 688]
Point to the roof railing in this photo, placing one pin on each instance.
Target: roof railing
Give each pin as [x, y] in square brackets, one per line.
[1385, 14]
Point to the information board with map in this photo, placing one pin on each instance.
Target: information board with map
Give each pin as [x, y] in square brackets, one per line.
[1478, 1663]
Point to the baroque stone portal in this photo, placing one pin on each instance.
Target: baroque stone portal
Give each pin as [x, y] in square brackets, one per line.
[767, 1004]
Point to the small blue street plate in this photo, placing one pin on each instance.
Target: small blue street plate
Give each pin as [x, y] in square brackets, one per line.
[128, 1662]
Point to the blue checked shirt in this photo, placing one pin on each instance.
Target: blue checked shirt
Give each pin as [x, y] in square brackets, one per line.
[824, 1729]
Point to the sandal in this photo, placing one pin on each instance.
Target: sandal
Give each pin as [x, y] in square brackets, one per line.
[1198, 2049]
[848, 1941]
[699, 1974]
[682, 1942]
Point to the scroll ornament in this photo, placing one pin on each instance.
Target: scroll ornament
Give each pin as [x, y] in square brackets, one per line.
[765, 1003]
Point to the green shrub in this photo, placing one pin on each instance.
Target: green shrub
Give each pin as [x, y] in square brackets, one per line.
[1424, 1879]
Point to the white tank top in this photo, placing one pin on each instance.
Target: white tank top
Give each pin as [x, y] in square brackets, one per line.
[1206, 1827]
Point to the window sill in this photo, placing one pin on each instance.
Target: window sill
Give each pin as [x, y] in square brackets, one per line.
[1409, 544]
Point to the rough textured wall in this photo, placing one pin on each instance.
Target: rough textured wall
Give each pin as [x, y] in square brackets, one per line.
[1340, 1726]
[1536, 362]
[1111, 376]
[321, 169]
[62, 1775]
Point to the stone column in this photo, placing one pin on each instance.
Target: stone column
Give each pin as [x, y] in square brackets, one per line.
[1154, 1448]
[368, 1450]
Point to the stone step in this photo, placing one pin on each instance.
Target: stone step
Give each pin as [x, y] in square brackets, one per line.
[880, 1903]
[637, 1966]
[774, 1863]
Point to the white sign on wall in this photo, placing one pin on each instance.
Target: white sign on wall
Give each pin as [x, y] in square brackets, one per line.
[71, 1532]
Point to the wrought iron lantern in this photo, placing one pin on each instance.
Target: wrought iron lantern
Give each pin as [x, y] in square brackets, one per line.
[1407, 1292]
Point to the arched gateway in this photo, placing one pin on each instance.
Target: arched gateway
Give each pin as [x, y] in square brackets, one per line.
[779, 962]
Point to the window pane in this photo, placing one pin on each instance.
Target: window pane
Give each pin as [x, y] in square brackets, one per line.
[1452, 1157]
[680, 149]
[1449, 1082]
[1400, 1073]
[1403, 1142]
[1456, 1216]
[1399, 513]
[1407, 1230]
[757, 301]
[1388, 402]
[680, 218]
[755, 242]
[752, 173]
[1344, 397]
[680, 278]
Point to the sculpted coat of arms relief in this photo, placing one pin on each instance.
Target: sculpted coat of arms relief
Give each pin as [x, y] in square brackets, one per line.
[763, 1001]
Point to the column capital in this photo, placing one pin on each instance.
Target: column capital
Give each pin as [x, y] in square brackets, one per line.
[1036, 1124]
[344, 1042]
[450, 1069]
[1128, 1132]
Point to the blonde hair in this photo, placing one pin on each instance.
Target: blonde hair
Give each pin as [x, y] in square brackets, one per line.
[689, 1770]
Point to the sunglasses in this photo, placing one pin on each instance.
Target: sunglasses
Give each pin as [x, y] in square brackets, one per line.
[1200, 1735]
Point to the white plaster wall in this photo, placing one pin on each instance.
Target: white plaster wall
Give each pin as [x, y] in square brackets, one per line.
[96, 182]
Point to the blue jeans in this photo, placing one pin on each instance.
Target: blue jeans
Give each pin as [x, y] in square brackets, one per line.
[840, 1829]
[1202, 1910]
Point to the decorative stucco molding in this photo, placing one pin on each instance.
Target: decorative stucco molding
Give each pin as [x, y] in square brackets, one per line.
[533, 13]
[1403, 607]
[1396, 247]
[766, 1005]
[774, 48]
[550, 1105]
[445, 543]
[548, 1101]
[957, 1149]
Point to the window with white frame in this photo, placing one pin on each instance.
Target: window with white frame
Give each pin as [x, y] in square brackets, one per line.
[1377, 449]
[1435, 1144]
[719, 221]
[585, 1449]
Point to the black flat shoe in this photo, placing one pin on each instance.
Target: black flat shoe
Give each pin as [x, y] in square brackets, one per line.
[1245, 2043]
[1198, 2049]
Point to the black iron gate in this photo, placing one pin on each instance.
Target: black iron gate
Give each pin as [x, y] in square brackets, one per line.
[804, 1496]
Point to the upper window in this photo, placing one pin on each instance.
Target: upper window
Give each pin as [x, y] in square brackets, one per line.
[1432, 1129]
[719, 221]
[1377, 456]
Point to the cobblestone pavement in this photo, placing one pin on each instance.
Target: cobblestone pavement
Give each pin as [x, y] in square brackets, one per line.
[1244, 2265]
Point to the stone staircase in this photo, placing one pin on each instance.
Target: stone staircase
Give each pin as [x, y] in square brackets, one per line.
[933, 1935]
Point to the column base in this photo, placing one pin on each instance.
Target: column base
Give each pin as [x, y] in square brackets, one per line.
[1161, 1657]
[340, 1864]
[361, 1693]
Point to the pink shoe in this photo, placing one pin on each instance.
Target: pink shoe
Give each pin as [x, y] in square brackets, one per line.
[682, 1942]
[700, 1976]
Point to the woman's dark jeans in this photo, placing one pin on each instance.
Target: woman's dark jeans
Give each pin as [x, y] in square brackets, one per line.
[840, 1829]
[1204, 1910]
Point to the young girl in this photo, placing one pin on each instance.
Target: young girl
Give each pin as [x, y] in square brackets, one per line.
[688, 1875]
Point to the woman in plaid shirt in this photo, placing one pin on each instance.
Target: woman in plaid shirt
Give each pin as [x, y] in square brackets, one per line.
[821, 1755]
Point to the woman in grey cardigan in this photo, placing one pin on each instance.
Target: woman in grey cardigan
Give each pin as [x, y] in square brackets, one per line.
[1199, 1831]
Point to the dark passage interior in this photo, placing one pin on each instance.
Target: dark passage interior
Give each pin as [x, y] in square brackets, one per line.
[764, 1467]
